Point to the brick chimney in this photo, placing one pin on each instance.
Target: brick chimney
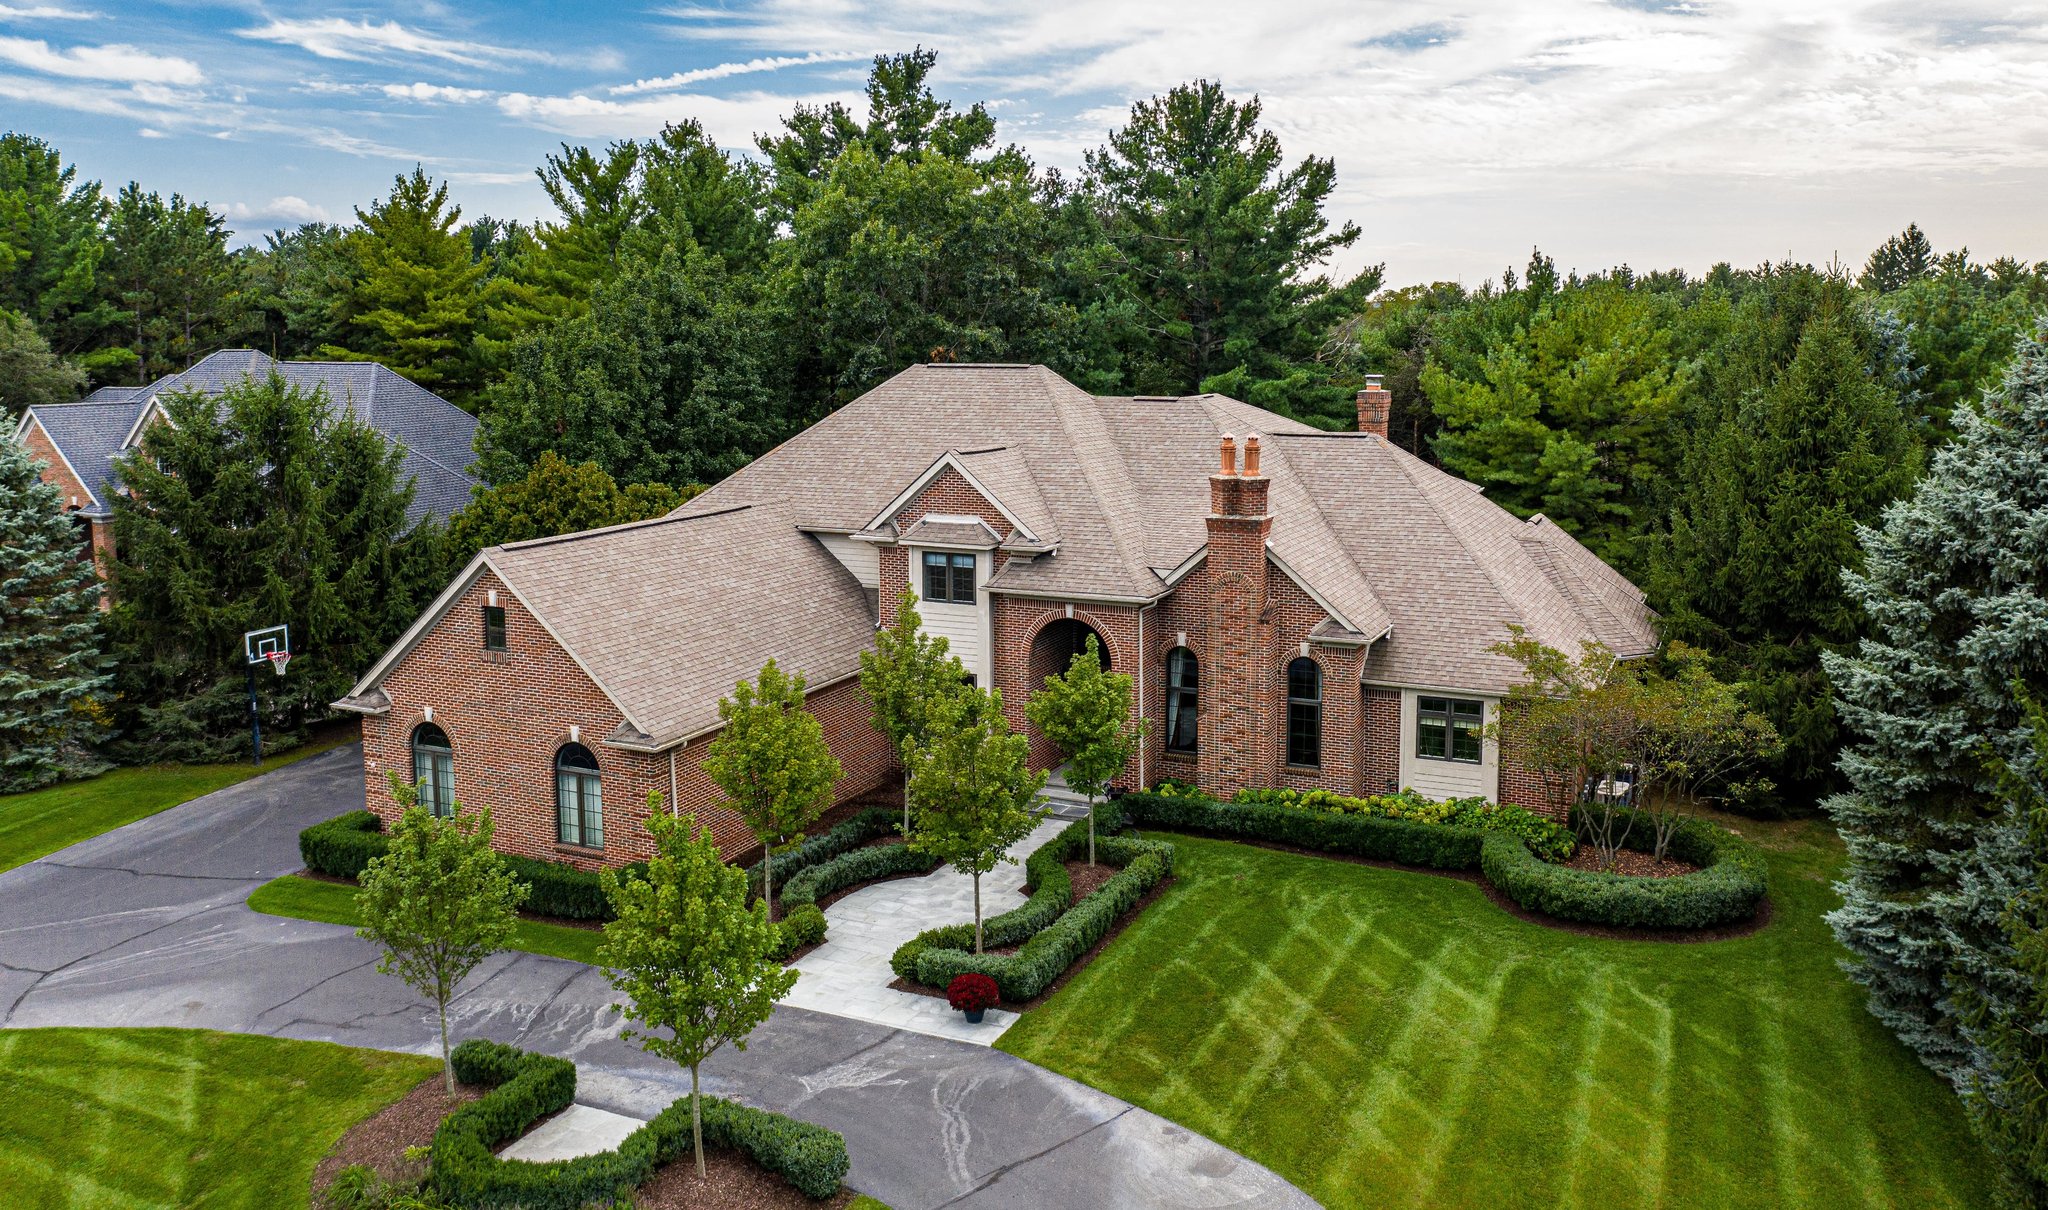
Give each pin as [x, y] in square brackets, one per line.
[1375, 404]
[1235, 680]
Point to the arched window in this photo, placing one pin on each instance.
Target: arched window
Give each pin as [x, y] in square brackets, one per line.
[1304, 712]
[579, 800]
[433, 769]
[1183, 684]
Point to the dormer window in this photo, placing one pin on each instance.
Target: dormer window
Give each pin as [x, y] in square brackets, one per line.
[949, 579]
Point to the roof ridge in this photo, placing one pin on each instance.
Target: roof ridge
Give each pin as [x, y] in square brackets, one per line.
[649, 523]
[1329, 532]
[1456, 531]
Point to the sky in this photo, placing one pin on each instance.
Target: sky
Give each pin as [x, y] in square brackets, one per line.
[1655, 133]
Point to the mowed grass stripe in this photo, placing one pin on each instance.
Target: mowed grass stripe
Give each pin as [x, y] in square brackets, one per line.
[1391, 1038]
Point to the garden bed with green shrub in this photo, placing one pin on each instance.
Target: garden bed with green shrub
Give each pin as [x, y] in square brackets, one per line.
[1051, 930]
[846, 836]
[1727, 889]
[525, 1087]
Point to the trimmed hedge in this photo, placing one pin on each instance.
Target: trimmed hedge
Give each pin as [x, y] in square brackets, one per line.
[1432, 846]
[859, 865]
[1549, 839]
[1055, 930]
[1726, 889]
[846, 835]
[804, 926]
[342, 847]
[462, 1168]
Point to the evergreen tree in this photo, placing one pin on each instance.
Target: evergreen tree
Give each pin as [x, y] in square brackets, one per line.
[413, 296]
[31, 375]
[296, 286]
[771, 759]
[1767, 517]
[699, 195]
[1219, 244]
[51, 247]
[1904, 258]
[51, 677]
[168, 266]
[259, 506]
[691, 957]
[1955, 586]
[555, 498]
[669, 378]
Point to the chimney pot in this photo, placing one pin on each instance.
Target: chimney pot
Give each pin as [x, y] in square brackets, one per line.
[1251, 456]
[1227, 449]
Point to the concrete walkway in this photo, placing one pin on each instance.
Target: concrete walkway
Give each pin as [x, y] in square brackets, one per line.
[849, 975]
[146, 925]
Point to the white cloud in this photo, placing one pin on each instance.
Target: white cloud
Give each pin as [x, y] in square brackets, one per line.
[45, 12]
[286, 209]
[724, 70]
[366, 41]
[433, 92]
[111, 62]
[151, 132]
[729, 121]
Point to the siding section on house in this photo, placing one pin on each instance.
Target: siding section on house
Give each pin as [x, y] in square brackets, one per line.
[1448, 778]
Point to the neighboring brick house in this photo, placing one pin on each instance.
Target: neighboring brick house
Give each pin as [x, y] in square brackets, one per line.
[1295, 607]
[78, 442]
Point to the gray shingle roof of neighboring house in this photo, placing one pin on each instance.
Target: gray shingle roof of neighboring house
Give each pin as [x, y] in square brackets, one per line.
[666, 615]
[438, 436]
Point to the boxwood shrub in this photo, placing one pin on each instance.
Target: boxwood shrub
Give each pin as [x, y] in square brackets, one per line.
[1549, 839]
[1726, 889]
[462, 1168]
[342, 847]
[1432, 846]
[844, 836]
[858, 865]
[803, 926]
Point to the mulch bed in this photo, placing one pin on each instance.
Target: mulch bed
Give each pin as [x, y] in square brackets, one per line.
[1630, 863]
[1122, 922]
[379, 1142]
[731, 1181]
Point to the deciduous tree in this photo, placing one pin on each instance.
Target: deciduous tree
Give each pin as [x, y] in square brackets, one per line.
[1085, 712]
[688, 953]
[771, 759]
[974, 788]
[909, 678]
[555, 498]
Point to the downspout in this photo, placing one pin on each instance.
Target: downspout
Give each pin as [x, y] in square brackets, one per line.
[674, 808]
[1144, 659]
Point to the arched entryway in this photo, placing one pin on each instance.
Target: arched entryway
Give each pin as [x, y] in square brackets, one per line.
[1055, 646]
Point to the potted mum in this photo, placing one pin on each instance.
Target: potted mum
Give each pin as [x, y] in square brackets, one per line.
[972, 994]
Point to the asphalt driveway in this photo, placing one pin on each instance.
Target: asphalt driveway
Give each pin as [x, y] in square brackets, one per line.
[147, 925]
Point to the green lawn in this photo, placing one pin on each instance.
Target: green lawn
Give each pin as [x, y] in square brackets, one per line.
[1386, 1038]
[136, 1118]
[40, 822]
[335, 903]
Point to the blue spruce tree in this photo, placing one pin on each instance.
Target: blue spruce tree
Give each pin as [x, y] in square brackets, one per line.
[1955, 585]
[50, 662]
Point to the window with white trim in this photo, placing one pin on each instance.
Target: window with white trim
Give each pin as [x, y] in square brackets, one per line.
[433, 769]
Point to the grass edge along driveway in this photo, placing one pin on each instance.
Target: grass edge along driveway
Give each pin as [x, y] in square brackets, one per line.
[37, 823]
[335, 903]
[1388, 1038]
[181, 1117]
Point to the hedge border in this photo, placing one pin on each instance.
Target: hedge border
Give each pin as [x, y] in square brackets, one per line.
[1727, 888]
[344, 846]
[848, 834]
[847, 869]
[1054, 929]
[528, 1086]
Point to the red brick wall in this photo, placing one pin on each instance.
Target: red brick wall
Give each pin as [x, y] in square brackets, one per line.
[1523, 786]
[507, 713]
[43, 450]
[1017, 622]
[1380, 768]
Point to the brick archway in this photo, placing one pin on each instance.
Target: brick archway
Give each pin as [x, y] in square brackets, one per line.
[1057, 642]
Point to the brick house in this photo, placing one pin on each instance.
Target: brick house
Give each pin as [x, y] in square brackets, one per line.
[77, 443]
[1295, 607]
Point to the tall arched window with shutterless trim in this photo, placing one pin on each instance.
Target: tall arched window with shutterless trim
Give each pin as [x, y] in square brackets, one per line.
[1304, 712]
[433, 769]
[579, 798]
[1183, 698]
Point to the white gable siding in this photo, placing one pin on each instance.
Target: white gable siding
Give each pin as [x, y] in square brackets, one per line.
[863, 559]
[1447, 778]
[966, 627]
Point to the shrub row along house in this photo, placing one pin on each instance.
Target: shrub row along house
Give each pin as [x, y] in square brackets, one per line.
[77, 443]
[1295, 607]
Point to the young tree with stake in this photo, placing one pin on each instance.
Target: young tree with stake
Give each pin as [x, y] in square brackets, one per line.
[907, 678]
[974, 787]
[1086, 714]
[688, 953]
[439, 901]
[773, 764]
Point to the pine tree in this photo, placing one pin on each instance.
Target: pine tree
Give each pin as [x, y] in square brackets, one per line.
[31, 375]
[51, 674]
[1955, 585]
[414, 297]
[1899, 261]
[1766, 519]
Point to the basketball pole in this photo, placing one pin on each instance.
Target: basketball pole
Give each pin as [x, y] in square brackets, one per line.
[255, 720]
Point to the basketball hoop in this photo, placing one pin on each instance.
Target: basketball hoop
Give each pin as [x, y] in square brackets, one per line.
[278, 659]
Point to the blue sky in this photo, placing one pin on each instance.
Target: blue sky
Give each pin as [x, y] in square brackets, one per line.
[1655, 132]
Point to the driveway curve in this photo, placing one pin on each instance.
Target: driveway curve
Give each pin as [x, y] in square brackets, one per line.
[147, 926]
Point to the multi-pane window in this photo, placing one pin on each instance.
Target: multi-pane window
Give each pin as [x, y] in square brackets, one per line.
[1449, 729]
[579, 798]
[494, 628]
[1304, 712]
[433, 769]
[1183, 684]
[949, 578]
